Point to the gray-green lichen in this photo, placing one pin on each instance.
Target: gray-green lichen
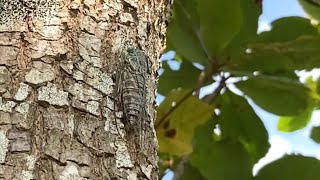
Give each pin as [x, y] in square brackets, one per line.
[23, 111]
[51, 32]
[123, 159]
[53, 95]
[88, 24]
[34, 76]
[23, 108]
[22, 92]
[147, 170]
[94, 77]
[67, 67]
[13, 13]
[31, 161]
[8, 55]
[143, 29]
[5, 118]
[78, 75]
[89, 49]
[93, 108]
[126, 17]
[40, 48]
[132, 175]
[84, 93]
[4, 74]
[85, 171]
[99, 80]
[4, 142]
[110, 125]
[10, 39]
[26, 175]
[6, 106]
[70, 124]
[70, 172]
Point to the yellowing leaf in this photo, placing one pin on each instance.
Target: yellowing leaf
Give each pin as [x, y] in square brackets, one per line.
[293, 123]
[175, 128]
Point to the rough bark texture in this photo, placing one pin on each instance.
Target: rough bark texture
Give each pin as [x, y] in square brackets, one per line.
[57, 79]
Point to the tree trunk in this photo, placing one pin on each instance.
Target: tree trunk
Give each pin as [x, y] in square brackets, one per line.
[65, 99]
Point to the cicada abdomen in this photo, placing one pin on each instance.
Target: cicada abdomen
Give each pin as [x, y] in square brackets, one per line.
[133, 96]
[132, 87]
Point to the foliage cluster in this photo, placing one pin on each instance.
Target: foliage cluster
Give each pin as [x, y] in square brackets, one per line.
[219, 136]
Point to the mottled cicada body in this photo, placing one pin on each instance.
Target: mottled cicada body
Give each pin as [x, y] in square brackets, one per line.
[134, 88]
[131, 88]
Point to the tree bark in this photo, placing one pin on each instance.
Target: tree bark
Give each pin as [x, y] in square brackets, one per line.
[58, 66]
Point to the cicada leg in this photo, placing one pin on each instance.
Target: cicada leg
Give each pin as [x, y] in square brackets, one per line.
[117, 101]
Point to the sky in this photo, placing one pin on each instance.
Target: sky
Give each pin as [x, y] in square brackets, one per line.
[282, 143]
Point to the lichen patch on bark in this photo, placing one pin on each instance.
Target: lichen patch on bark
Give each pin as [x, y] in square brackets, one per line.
[70, 172]
[6, 106]
[4, 142]
[53, 95]
[23, 92]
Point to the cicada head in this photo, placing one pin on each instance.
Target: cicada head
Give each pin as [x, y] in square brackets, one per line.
[136, 60]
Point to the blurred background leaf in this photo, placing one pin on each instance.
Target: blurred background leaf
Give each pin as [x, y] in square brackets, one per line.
[175, 128]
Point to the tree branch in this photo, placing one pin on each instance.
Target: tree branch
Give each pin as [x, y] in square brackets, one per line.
[180, 168]
[185, 97]
[210, 98]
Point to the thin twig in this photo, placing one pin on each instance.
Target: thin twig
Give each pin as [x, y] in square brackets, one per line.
[180, 167]
[184, 160]
[213, 96]
[185, 97]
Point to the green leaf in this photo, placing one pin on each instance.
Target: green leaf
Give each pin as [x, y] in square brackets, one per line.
[263, 56]
[293, 123]
[239, 122]
[288, 28]
[312, 85]
[315, 134]
[175, 131]
[185, 77]
[302, 52]
[312, 8]
[183, 32]
[250, 12]
[191, 173]
[220, 21]
[277, 95]
[291, 168]
[280, 59]
[264, 63]
[318, 86]
[226, 159]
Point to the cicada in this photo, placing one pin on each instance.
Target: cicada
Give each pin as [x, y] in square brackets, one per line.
[131, 89]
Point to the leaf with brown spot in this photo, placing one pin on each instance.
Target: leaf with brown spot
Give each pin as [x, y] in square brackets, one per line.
[175, 129]
[171, 133]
